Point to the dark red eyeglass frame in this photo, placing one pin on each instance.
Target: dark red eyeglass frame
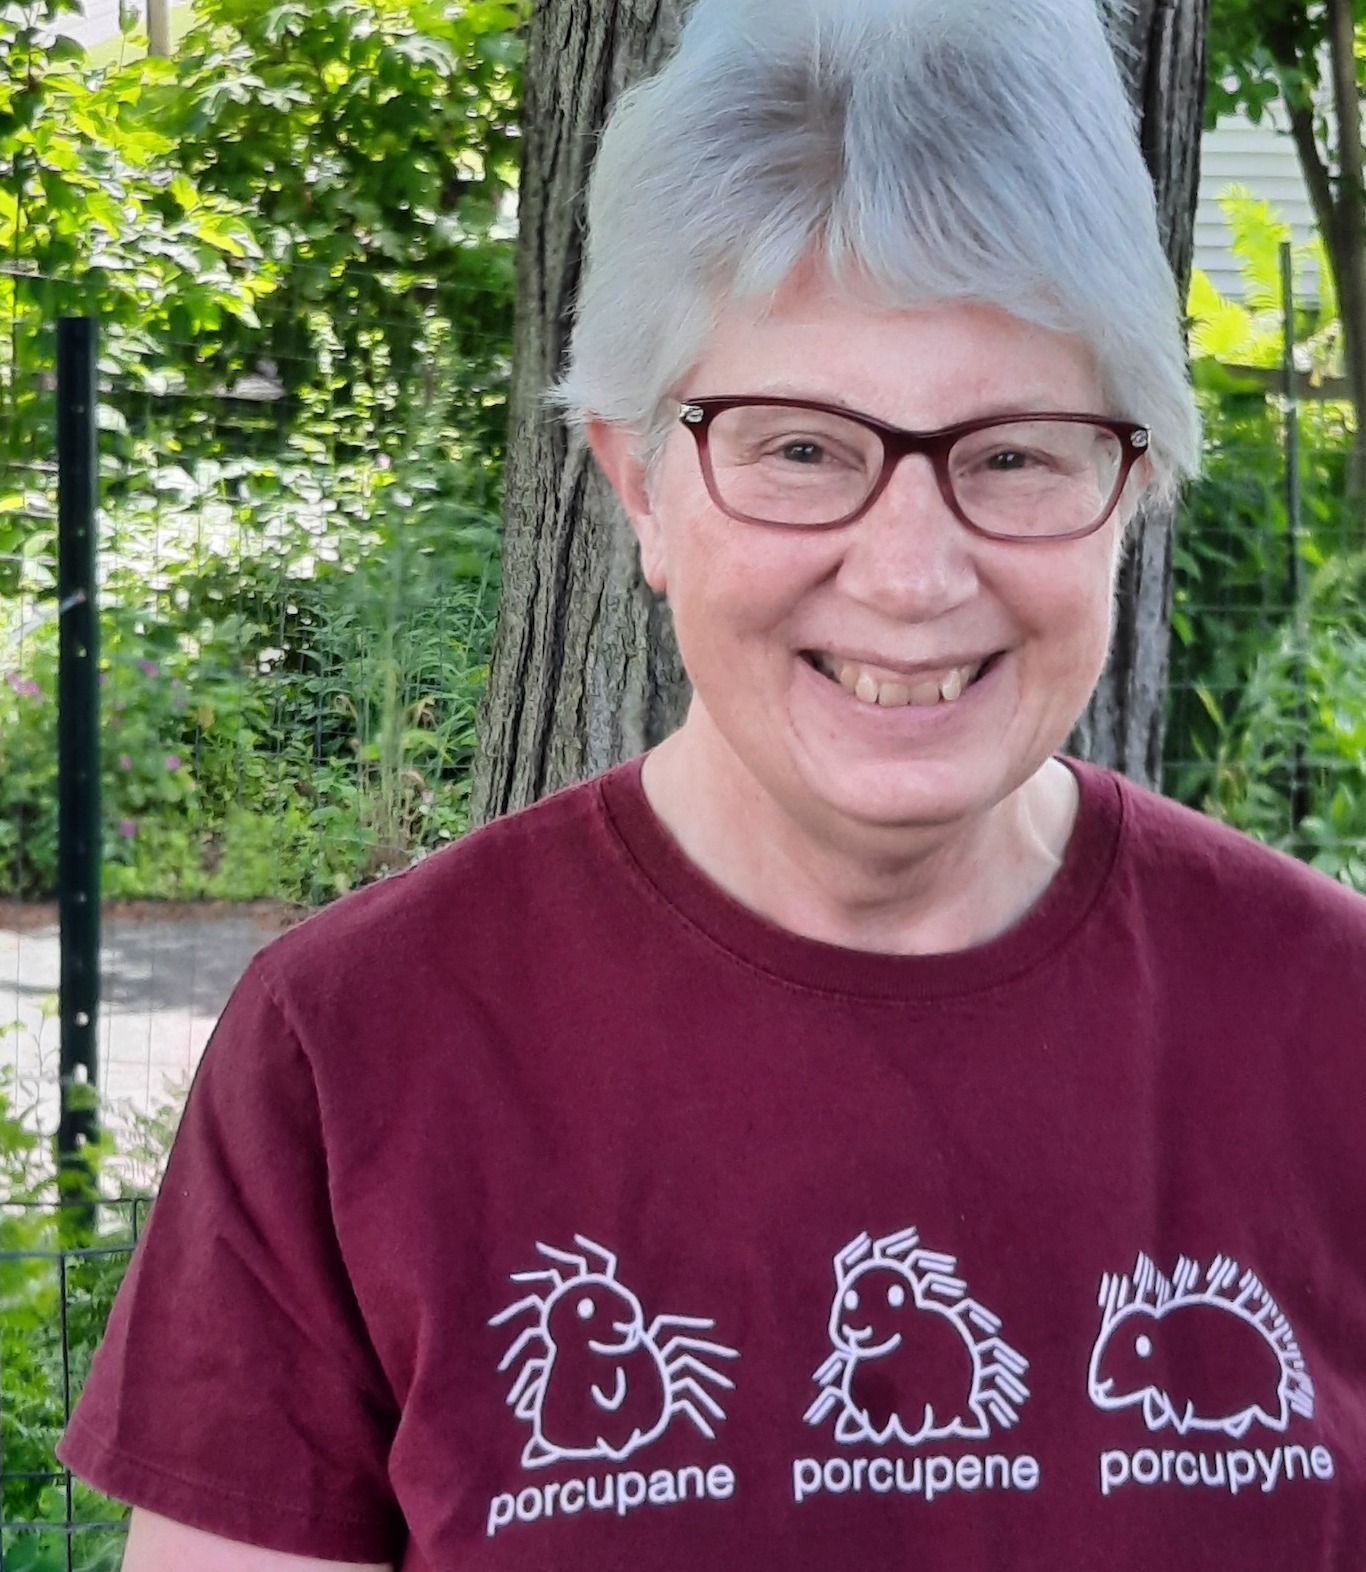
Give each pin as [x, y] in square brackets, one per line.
[697, 414]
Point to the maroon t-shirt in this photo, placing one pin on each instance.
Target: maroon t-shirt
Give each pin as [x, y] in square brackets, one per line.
[543, 1208]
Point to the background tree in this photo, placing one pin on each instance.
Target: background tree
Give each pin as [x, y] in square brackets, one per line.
[1312, 56]
[585, 670]
[1161, 46]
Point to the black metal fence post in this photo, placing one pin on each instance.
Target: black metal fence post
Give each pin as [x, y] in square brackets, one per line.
[1300, 799]
[79, 847]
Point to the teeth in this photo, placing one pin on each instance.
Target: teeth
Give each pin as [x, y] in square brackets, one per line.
[922, 694]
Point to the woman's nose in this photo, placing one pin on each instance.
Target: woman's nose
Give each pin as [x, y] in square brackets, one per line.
[910, 557]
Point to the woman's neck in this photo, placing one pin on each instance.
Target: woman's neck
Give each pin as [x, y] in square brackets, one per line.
[918, 890]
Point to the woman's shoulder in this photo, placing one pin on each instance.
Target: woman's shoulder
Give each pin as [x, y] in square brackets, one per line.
[1187, 859]
[492, 888]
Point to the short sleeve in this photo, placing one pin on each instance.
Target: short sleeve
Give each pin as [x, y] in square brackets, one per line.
[236, 1389]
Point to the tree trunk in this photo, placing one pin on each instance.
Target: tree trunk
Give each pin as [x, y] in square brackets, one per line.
[585, 670]
[159, 28]
[1347, 237]
[1161, 45]
[1339, 201]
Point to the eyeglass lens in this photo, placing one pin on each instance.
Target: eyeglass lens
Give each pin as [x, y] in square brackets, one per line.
[810, 468]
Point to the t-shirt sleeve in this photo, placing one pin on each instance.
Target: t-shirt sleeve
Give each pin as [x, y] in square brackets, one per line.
[236, 1389]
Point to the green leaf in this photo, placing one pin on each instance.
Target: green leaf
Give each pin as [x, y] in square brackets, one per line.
[64, 50]
[183, 190]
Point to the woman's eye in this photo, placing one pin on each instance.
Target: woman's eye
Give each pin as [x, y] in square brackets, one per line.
[1008, 459]
[802, 452]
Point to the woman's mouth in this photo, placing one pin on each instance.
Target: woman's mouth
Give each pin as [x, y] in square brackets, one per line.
[874, 687]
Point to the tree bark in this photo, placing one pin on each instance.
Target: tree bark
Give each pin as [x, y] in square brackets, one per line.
[159, 28]
[1162, 49]
[585, 670]
[1348, 235]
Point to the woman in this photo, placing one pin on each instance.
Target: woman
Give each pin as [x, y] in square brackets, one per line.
[854, 1137]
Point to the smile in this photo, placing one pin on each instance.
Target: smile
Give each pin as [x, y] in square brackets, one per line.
[857, 1340]
[923, 691]
[608, 1349]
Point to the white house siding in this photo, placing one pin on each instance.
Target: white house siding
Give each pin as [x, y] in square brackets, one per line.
[100, 22]
[1263, 159]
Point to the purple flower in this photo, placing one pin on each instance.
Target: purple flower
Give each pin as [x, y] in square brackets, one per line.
[25, 687]
[172, 761]
[125, 763]
[128, 828]
[148, 668]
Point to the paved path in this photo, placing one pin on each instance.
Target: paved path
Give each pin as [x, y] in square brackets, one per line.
[166, 975]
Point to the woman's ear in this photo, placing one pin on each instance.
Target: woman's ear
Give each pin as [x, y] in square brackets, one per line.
[617, 451]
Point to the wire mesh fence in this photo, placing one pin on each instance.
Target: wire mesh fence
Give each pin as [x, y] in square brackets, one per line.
[59, 1271]
[297, 596]
[1267, 711]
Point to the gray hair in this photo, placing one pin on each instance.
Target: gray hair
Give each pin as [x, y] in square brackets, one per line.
[931, 150]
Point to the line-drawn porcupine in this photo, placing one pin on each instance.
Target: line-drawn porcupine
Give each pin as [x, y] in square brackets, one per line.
[1216, 1354]
[596, 1380]
[915, 1358]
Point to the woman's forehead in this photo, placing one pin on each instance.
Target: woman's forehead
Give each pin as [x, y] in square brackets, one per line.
[938, 362]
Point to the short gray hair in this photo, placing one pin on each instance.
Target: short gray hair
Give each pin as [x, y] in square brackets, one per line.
[937, 150]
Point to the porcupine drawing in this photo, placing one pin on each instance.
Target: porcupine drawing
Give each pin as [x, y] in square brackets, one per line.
[1197, 1351]
[915, 1357]
[595, 1379]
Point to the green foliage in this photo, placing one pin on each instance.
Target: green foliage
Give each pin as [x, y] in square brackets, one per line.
[95, 218]
[375, 141]
[1259, 48]
[297, 603]
[1233, 576]
[1300, 727]
[1251, 332]
[54, 1302]
[1267, 708]
[292, 662]
[1294, 50]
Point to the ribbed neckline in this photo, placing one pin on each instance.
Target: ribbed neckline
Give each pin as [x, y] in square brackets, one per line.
[826, 968]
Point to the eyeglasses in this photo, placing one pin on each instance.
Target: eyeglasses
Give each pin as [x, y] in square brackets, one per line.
[802, 465]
